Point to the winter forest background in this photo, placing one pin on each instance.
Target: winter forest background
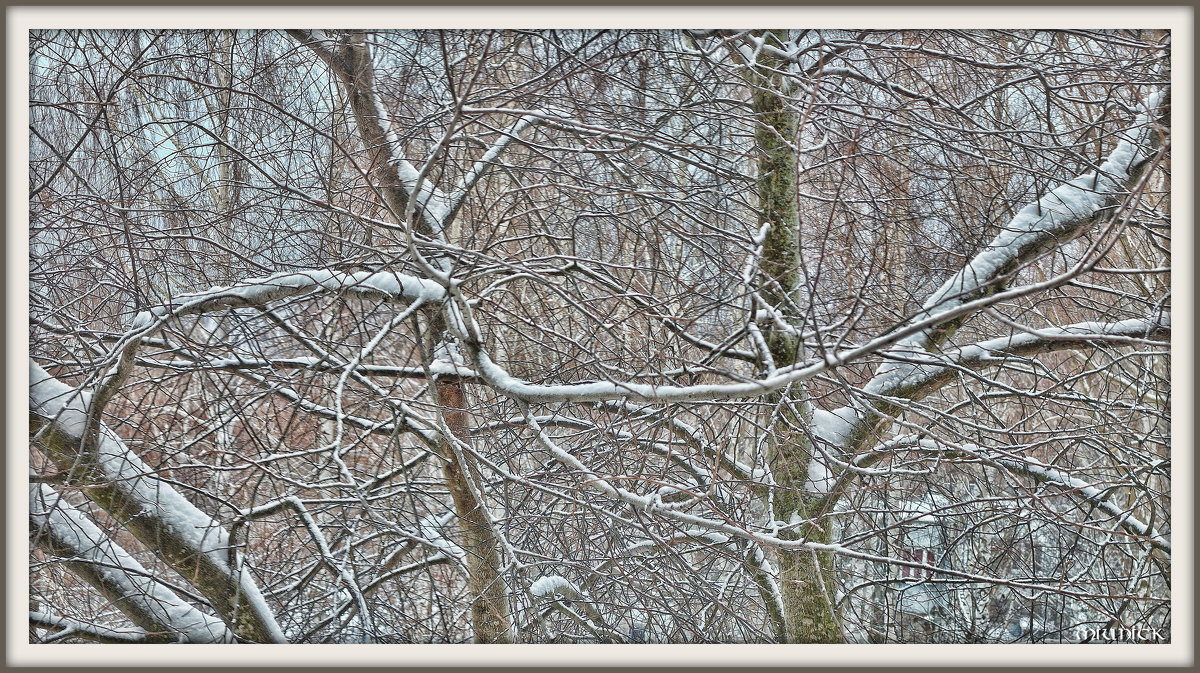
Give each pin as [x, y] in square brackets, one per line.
[807, 336]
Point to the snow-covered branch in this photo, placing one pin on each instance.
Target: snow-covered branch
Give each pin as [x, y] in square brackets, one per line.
[153, 511]
[62, 530]
[705, 329]
[396, 177]
[484, 163]
[1052, 220]
[915, 370]
[565, 595]
[74, 628]
[438, 368]
[501, 380]
[1049, 475]
[912, 373]
[254, 292]
[1062, 480]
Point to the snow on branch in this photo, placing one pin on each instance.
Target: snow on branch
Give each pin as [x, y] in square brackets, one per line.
[73, 628]
[563, 122]
[914, 372]
[400, 181]
[259, 291]
[68, 533]
[1053, 219]
[500, 379]
[156, 514]
[434, 206]
[443, 370]
[317, 40]
[561, 590]
[915, 368]
[1049, 475]
[554, 585]
[485, 162]
[329, 560]
[1057, 216]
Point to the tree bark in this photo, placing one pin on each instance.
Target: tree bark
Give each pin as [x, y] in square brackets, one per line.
[490, 617]
[806, 578]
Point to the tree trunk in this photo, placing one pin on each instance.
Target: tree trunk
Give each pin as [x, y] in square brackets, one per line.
[490, 618]
[806, 578]
[807, 583]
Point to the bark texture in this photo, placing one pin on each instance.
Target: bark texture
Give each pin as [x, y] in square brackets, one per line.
[806, 578]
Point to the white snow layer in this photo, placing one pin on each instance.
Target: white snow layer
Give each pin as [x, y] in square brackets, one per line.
[820, 478]
[67, 408]
[432, 204]
[920, 365]
[552, 585]
[832, 427]
[258, 291]
[1050, 475]
[1049, 220]
[120, 572]
[132, 635]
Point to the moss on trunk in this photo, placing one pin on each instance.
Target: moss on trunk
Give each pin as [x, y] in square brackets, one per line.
[808, 586]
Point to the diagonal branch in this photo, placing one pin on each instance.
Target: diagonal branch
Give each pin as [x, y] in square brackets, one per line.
[189, 540]
[393, 175]
[64, 531]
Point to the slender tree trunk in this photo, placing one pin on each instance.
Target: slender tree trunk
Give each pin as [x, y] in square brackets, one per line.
[490, 617]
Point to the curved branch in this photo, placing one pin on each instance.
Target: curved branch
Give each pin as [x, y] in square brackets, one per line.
[919, 373]
[1038, 471]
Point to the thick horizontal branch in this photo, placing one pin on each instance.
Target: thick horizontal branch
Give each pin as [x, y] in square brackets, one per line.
[440, 369]
[255, 292]
[915, 371]
[499, 379]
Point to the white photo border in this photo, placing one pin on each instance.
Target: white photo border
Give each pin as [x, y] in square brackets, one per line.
[20, 20]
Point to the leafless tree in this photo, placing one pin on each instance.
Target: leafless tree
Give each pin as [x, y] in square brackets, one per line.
[599, 336]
